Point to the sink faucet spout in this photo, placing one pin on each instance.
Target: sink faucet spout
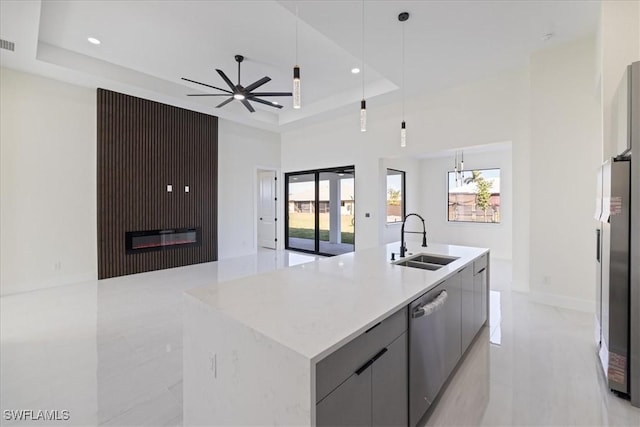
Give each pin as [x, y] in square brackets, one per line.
[403, 248]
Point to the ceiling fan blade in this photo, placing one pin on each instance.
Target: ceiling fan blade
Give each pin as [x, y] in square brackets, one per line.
[262, 101]
[257, 83]
[207, 94]
[271, 94]
[204, 84]
[225, 102]
[246, 104]
[226, 79]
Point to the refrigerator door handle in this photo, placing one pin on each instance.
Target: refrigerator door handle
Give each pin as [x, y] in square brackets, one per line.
[598, 231]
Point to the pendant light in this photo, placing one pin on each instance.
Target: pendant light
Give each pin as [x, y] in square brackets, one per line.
[363, 103]
[455, 169]
[296, 72]
[403, 17]
[458, 168]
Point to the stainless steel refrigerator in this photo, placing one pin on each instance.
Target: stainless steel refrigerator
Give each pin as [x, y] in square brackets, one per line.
[618, 247]
[613, 261]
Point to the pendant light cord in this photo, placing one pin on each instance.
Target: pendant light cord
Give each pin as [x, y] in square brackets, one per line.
[362, 49]
[297, 33]
[403, 71]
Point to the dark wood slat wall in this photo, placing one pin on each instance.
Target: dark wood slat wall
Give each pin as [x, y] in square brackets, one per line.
[143, 146]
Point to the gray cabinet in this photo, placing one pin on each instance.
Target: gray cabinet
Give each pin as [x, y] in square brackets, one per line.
[347, 405]
[468, 298]
[480, 291]
[364, 383]
[389, 386]
[453, 325]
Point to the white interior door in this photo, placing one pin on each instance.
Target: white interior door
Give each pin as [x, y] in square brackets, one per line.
[267, 209]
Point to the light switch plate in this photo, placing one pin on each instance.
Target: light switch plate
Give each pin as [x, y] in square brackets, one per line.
[169, 188]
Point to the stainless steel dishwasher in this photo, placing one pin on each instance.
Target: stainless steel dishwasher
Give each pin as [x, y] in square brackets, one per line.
[434, 344]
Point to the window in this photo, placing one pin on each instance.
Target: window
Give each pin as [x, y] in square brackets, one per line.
[474, 196]
[395, 196]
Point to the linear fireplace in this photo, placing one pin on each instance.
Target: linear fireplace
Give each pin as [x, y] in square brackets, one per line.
[160, 240]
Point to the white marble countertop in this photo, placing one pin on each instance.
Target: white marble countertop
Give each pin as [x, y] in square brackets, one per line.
[315, 308]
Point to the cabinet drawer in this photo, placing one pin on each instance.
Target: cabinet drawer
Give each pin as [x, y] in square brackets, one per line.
[479, 264]
[341, 364]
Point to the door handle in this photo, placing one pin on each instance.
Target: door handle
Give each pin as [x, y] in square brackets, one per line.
[598, 231]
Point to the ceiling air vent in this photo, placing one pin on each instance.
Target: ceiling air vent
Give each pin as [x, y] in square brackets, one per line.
[6, 44]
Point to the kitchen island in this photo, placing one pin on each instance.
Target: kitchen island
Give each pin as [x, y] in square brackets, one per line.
[253, 347]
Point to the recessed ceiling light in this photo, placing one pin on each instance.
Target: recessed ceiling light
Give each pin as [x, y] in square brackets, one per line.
[238, 96]
[93, 40]
[274, 102]
[355, 70]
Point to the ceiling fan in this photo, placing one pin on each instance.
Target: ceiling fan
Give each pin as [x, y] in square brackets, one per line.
[239, 92]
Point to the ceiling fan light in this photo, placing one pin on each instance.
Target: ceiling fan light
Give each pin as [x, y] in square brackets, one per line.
[296, 87]
[403, 135]
[238, 96]
[363, 116]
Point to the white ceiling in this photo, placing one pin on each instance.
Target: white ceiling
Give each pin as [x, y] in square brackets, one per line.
[148, 45]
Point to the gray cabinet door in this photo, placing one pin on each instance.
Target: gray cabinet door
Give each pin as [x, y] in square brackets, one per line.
[389, 386]
[480, 299]
[349, 404]
[453, 324]
[469, 325]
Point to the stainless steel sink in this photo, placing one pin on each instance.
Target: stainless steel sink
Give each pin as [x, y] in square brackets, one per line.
[432, 259]
[426, 261]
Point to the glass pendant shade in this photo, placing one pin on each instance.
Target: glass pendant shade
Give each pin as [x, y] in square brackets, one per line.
[296, 87]
[403, 135]
[363, 116]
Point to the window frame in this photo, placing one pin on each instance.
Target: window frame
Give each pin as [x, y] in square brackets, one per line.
[453, 221]
[403, 205]
[316, 204]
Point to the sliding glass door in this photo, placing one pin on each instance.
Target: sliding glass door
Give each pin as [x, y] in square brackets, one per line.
[301, 212]
[321, 211]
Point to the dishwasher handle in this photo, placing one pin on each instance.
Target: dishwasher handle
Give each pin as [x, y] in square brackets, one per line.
[432, 307]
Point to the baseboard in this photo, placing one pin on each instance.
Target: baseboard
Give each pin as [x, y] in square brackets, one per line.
[71, 279]
[577, 304]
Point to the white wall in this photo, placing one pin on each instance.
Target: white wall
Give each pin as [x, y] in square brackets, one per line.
[565, 153]
[48, 183]
[549, 112]
[497, 237]
[241, 152]
[484, 112]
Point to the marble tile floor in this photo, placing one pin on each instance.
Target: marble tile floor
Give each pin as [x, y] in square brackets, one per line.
[110, 352]
[543, 372]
